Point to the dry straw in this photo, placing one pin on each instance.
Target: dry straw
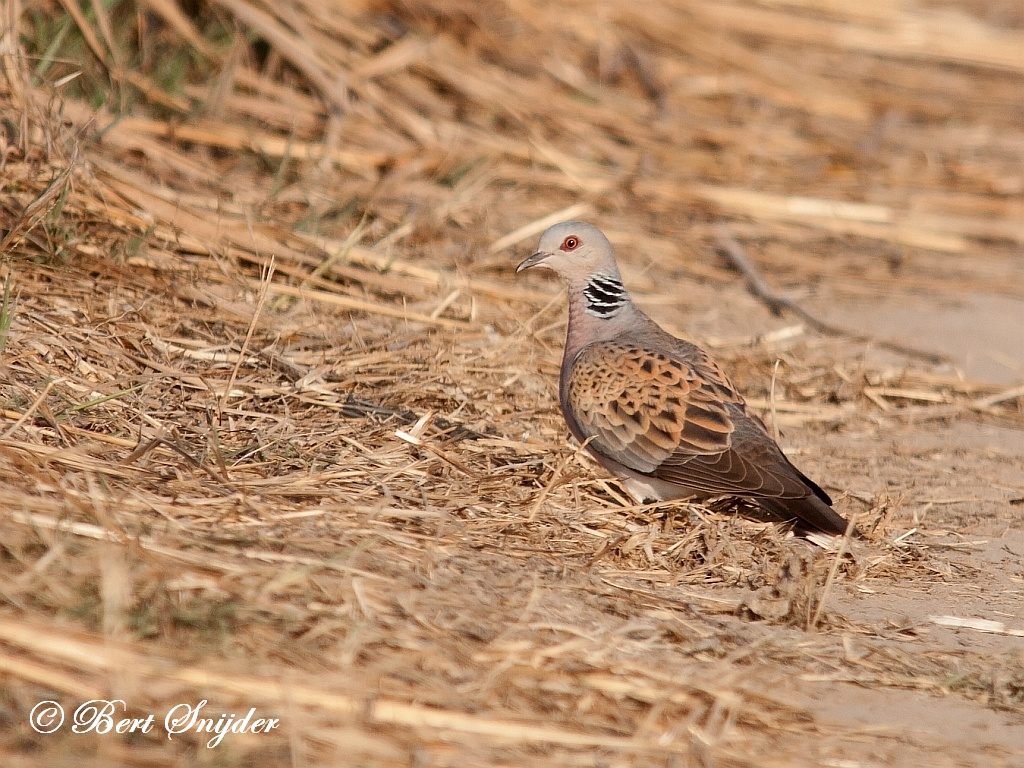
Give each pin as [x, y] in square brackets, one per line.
[278, 423]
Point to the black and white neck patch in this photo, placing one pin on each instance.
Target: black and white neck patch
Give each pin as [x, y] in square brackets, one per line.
[605, 295]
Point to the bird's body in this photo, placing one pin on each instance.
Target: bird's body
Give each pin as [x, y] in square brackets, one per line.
[657, 411]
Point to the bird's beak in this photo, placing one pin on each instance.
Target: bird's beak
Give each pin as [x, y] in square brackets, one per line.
[532, 261]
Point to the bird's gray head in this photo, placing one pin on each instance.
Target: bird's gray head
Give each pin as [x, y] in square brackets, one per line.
[582, 257]
[574, 250]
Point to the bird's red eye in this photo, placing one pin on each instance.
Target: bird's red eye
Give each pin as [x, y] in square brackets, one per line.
[570, 243]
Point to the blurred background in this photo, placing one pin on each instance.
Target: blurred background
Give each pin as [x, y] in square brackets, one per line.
[875, 148]
[279, 422]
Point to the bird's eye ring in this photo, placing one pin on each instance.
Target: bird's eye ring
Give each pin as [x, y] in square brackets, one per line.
[570, 243]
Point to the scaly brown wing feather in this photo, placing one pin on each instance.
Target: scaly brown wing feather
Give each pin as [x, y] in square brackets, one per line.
[753, 465]
[642, 408]
[679, 419]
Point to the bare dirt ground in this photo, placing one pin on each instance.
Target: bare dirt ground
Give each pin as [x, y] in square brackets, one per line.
[278, 424]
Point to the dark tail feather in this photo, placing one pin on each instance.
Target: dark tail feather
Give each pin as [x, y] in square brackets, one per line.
[813, 486]
[809, 512]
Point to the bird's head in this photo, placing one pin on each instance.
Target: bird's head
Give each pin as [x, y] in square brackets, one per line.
[574, 250]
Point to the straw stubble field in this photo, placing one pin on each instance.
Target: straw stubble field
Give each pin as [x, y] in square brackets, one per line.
[279, 424]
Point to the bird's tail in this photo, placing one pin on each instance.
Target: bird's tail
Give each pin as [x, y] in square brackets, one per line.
[810, 512]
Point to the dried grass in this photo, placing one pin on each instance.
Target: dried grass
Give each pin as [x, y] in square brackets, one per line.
[278, 424]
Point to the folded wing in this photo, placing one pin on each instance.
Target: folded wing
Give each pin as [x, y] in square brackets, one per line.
[681, 420]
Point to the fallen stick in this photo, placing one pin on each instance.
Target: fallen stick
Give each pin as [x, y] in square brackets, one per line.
[777, 303]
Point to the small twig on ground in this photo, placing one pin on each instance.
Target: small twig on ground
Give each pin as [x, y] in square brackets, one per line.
[353, 408]
[261, 298]
[844, 545]
[535, 508]
[778, 303]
